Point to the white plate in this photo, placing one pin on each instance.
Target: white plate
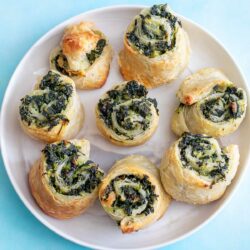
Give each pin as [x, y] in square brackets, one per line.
[94, 228]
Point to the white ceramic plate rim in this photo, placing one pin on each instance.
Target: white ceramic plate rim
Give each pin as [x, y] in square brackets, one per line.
[23, 198]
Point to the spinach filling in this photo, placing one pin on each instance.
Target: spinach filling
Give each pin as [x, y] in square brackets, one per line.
[127, 110]
[62, 65]
[95, 53]
[224, 105]
[198, 153]
[154, 31]
[134, 195]
[44, 109]
[68, 170]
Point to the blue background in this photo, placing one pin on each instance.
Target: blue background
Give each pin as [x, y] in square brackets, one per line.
[25, 21]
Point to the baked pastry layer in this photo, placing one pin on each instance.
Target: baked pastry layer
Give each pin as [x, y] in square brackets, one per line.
[210, 104]
[132, 193]
[84, 55]
[195, 169]
[52, 111]
[156, 47]
[126, 116]
[64, 181]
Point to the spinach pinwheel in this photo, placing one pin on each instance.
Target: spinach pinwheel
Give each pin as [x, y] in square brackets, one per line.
[156, 47]
[84, 55]
[53, 110]
[126, 116]
[210, 104]
[132, 193]
[195, 169]
[64, 182]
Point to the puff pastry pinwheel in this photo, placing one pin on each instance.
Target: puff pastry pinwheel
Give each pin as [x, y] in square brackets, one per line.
[64, 182]
[210, 104]
[84, 55]
[126, 116]
[156, 47]
[195, 169]
[53, 110]
[132, 193]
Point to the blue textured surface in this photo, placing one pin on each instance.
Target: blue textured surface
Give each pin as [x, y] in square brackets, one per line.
[23, 22]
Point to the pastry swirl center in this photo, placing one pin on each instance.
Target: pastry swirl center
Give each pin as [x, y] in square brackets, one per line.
[131, 195]
[69, 171]
[127, 110]
[203, 155]
[45, 106]
[224, 105]
[153, 32]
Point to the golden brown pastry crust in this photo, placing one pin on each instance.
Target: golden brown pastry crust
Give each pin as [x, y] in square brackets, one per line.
[55, 204]
[79, 38]
[74, 45]
[153, 72]
[64, 130]
[198, 85]
[186, 185]
[139, 166]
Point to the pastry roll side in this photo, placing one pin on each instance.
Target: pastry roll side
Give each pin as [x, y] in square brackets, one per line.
[84, 55]
[195, 169]
[156, 47]
[64, 182]
[53, 110]
[210, 104]
[126, 116]
[132, 193]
